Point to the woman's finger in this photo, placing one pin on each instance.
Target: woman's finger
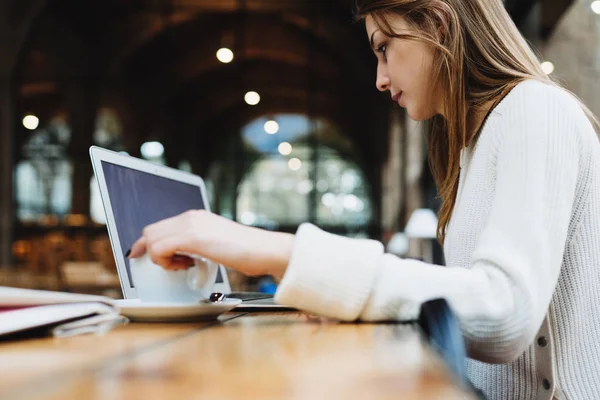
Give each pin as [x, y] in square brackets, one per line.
[160, 230]
[138, 249]
[180, 262]
[164, 252]
[168, 227]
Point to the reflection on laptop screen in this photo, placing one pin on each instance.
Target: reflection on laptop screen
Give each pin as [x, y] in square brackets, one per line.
[139, 199]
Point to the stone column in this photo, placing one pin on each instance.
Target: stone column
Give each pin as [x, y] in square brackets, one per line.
[82, 106]
[174, 148]
[12, 35]
[393, 182]
[7, 213]
[415, 156]
[7, 209]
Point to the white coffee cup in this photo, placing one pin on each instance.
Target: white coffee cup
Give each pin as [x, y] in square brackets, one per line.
[156, 284]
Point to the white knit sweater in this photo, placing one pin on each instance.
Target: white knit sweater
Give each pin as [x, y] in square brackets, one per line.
[523, 248]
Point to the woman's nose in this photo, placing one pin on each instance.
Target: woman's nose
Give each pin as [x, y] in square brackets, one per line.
[383, 80]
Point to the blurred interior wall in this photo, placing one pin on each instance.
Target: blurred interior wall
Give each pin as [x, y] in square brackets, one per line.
[574, 49]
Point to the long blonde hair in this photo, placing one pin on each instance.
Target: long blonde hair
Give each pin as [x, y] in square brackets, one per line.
[480, 55]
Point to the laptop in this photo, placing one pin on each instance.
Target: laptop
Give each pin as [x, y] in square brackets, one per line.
[136, 193]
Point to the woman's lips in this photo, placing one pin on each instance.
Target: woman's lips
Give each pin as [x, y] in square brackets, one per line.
[398, 97]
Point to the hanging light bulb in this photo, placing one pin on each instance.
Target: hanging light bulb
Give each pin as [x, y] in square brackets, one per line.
[547, 67]
[31, 122]
[252, 98]
[294, 164]
[152, 150]
[284, 148]
[271, 127]
[225, 55]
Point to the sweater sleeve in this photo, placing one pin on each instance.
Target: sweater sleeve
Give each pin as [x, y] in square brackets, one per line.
[503, 296]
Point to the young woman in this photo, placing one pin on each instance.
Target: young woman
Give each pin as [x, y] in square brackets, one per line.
[517, 163]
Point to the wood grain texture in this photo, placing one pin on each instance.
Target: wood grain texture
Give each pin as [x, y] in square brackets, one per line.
[256, 356]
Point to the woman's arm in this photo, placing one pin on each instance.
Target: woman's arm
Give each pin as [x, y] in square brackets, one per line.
[249, 250]
[504, 295]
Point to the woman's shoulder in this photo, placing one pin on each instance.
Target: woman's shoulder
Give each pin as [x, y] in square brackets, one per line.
[541, 99]
[534, 105]
[541, 113]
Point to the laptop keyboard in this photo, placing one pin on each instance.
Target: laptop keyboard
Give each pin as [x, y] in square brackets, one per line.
[247, 296]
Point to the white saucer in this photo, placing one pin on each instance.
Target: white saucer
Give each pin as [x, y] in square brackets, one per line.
[136, 310]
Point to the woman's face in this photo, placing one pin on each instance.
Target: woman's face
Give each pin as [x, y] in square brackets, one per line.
[404, 67]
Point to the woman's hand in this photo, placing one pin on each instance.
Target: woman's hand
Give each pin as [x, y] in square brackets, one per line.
[251, 251]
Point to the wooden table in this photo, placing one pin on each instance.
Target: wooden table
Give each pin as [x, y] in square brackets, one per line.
[241, 356]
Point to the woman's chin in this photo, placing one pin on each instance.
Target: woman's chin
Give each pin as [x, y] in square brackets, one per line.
[418, 115]
[415, 116]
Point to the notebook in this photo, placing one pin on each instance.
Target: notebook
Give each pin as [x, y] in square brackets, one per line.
[26, 312]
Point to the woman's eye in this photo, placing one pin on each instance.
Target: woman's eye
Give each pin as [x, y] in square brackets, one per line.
[381, 49]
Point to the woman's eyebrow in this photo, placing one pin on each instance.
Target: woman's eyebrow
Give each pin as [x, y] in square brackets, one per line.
[371, 39]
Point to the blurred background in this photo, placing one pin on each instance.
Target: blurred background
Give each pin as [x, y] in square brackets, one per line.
[272, 102]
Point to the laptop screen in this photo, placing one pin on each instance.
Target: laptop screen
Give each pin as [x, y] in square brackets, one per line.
[139, 199]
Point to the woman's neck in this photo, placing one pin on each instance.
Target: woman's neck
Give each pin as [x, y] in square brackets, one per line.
[477, 117]
[479, 114]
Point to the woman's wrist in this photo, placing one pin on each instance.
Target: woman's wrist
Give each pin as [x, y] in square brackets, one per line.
[252, 251]
[271, 252]
[282, 253]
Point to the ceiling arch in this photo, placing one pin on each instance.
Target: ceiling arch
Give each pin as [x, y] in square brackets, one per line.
[203, 132]
[175, 58]
[159, 57]
[254, 74]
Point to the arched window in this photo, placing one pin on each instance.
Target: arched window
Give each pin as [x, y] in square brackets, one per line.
[43, 176]
[273, 192]
[294, 171]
